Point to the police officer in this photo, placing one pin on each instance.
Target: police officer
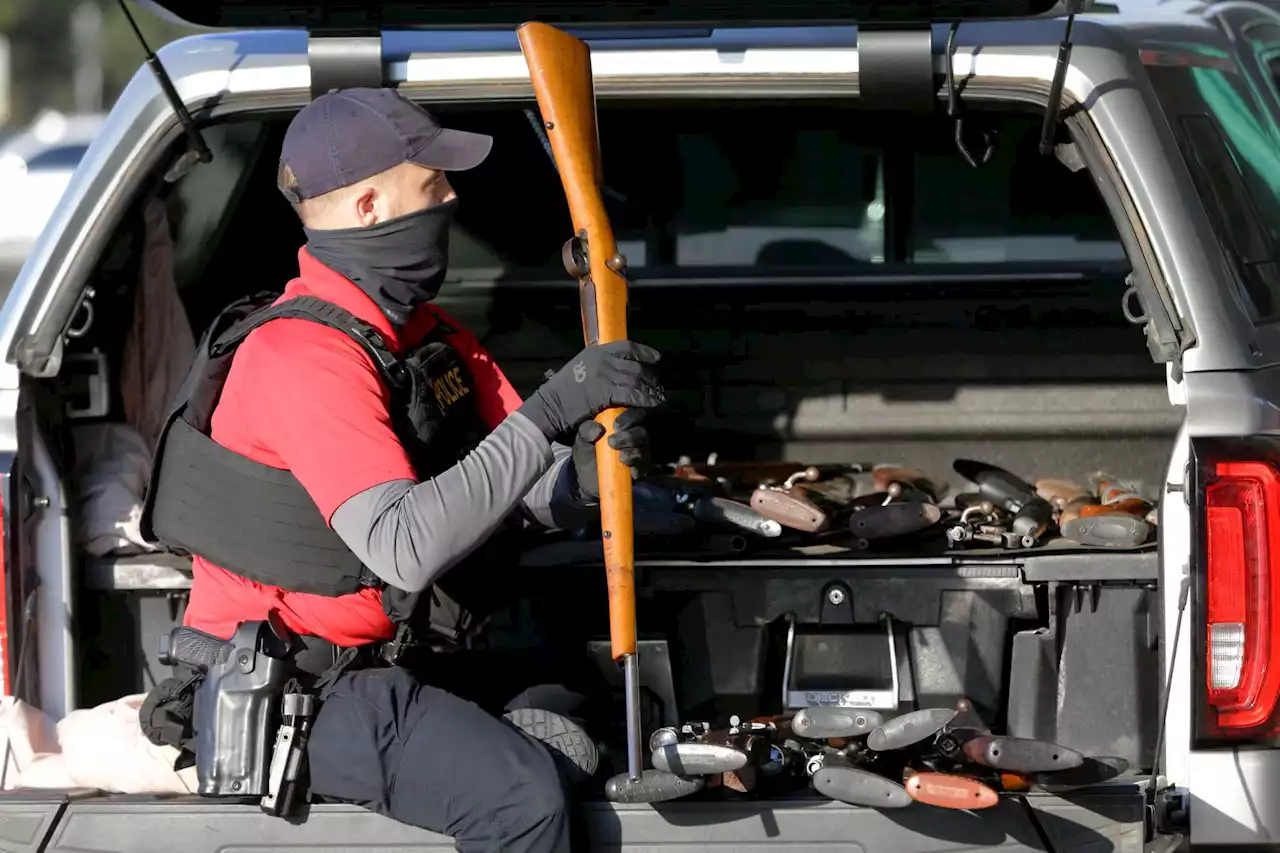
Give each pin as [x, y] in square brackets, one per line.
[367, 173]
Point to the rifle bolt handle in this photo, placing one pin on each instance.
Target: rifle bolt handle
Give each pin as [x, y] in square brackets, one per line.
[808, 475]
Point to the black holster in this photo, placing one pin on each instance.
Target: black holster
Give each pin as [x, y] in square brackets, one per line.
[237, 712]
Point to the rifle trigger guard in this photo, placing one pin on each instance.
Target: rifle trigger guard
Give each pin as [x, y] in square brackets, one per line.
[574, 255]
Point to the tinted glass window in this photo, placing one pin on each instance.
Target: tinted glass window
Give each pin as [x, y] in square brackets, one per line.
[1263, 39]
[1019, 206]
[204, 200]
[1231, 146]
[754, 187]
[776, 195]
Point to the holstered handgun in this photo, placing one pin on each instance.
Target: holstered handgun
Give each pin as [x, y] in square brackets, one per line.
[236, 708]
[286, 780]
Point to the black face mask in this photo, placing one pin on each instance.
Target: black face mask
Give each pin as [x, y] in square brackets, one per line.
[399, 263]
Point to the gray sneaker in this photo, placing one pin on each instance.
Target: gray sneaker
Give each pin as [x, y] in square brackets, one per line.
[572, 747]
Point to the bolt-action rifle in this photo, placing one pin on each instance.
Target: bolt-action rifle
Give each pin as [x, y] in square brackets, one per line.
[560, 70]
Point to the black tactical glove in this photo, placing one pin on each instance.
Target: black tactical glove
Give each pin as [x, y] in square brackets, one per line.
[612, 375]
[630, 440]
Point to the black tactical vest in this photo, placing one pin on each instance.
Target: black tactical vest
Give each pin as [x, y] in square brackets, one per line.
[258, 521]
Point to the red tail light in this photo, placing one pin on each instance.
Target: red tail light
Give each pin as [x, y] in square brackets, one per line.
[1242, 614]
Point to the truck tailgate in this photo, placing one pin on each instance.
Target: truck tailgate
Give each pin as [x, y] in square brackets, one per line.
[1106, 819]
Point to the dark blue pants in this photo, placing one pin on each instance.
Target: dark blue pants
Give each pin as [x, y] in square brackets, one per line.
[422, 756]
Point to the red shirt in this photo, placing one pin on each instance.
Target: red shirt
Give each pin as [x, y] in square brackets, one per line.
[303, 397]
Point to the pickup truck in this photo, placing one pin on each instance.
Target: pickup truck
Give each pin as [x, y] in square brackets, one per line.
[857, 232]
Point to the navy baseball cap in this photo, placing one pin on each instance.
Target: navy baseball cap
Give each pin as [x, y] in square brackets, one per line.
[348, 135]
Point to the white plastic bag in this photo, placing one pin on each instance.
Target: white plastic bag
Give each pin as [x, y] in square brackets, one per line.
[47, 770]
[104, 748]
[27, 735]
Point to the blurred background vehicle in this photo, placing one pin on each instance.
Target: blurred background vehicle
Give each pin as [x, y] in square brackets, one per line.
[63, 63]
[35, 165]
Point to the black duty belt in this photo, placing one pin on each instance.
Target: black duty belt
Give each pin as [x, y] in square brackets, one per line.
[325, 660]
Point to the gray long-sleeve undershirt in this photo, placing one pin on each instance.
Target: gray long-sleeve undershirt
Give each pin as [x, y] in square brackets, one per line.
[409, 534]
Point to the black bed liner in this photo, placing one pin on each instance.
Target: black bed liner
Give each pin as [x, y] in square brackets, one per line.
[1107, 818]
[1032, 661]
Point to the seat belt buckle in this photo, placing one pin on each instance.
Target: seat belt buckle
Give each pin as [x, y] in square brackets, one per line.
[285, 778]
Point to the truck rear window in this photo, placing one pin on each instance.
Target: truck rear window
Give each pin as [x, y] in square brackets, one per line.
[754, 187]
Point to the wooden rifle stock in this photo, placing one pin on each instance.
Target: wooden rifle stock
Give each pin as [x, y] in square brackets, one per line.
[560, 70]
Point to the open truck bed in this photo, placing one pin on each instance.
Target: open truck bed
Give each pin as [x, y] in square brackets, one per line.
[1105, 818]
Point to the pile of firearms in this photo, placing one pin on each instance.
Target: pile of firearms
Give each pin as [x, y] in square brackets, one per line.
[938, 756]
[731, 506]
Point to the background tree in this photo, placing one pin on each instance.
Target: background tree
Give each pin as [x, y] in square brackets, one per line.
[43, 55]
